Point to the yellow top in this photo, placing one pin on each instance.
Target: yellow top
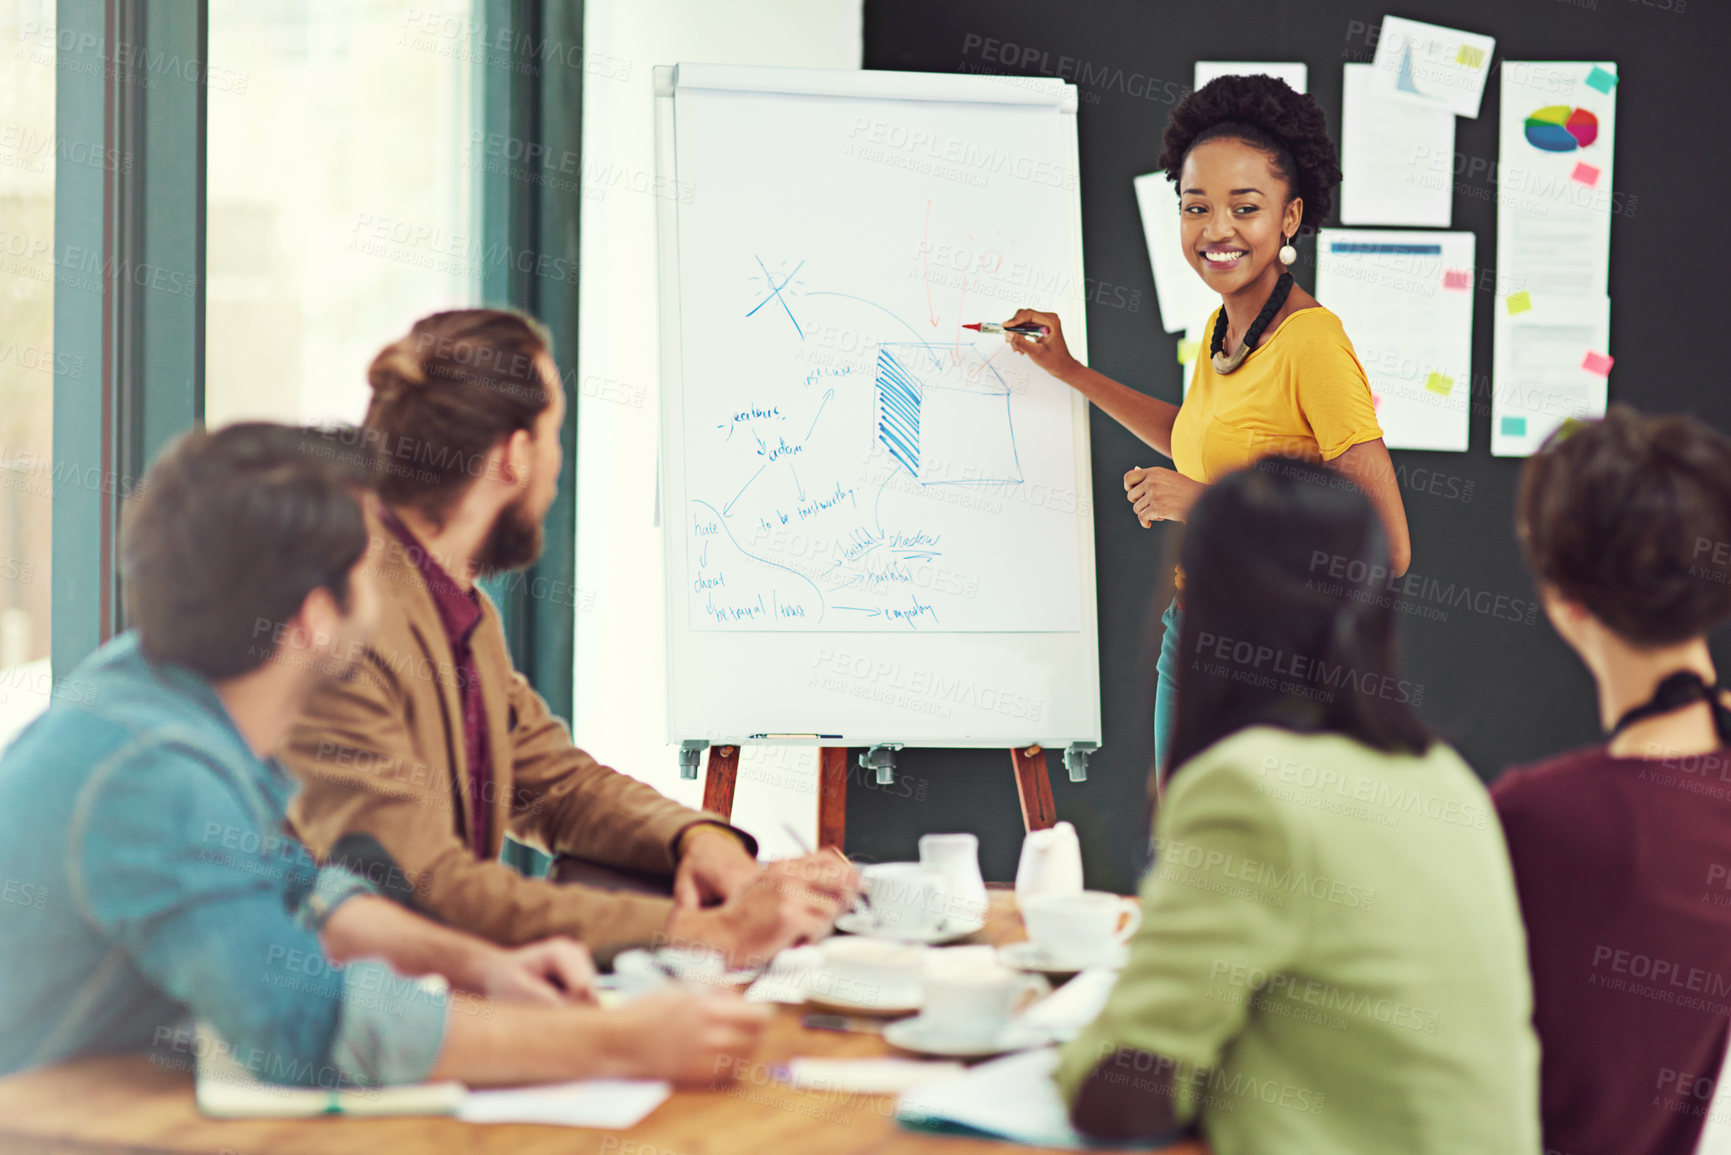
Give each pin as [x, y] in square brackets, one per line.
[1301, 393]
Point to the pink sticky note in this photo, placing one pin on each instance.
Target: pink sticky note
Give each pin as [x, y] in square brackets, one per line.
[1586, 174]
[1457, 279]
[1375, 401]
[1597, 363]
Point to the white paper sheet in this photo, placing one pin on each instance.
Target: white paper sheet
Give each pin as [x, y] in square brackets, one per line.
[1294, 72]
[868, 1076]
[1185, 300]
[1430, 64]
[610, 1104]
[1411, 324]
[1013, 1097]
[1397, 158]
[1554, 205]
[1538, 379]
[853, 458]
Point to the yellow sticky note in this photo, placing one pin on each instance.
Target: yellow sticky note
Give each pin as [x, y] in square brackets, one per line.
[1440, 384]
[1470, 56]
[1186, 351]
[1519, 302]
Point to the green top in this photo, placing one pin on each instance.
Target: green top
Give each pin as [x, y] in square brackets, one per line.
[1332, 953]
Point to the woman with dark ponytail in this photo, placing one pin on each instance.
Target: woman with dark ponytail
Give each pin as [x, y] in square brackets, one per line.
[1255, 167]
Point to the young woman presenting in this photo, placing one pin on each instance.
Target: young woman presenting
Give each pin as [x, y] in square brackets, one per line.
[1254, 166]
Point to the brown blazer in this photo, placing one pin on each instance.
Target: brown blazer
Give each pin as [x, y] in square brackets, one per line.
[382, 754]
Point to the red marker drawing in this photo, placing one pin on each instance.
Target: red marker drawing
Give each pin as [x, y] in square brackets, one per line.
[1034, 331]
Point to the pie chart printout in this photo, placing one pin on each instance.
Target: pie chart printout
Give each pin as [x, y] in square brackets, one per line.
[1559, 128]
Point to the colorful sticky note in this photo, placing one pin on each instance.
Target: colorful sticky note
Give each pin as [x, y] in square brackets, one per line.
[1457, 278]
[1597, 363]
[1470, 56]
[1601, 80]
[1514, 427]
[1440, 384]
[1519, 302]
[1586, 174]
[1375, 401]
[1186, 351]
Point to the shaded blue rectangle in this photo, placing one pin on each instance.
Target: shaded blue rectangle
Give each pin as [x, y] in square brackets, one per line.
[1514, 427]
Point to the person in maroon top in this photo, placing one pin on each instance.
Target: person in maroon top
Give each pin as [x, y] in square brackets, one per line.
[1622, 850]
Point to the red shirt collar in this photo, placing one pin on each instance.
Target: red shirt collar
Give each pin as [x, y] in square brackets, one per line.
[459, 609]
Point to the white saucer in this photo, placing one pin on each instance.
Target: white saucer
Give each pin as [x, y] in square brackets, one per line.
[915, 1035]
[951, 929]
[1029, 956]
[892, 1002]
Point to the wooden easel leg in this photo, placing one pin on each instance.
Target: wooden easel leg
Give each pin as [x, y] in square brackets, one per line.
[1034, 788]
[718, 781]
[831, 797]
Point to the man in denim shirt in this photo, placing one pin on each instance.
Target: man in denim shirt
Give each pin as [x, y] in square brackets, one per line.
[143, 815]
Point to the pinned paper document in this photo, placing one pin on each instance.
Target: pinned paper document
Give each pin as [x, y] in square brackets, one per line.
[1429, 64]
[1397, 157]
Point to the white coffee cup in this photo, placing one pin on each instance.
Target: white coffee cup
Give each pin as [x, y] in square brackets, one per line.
[972, 1003]
[1080, 927]
[868, 973]
[905, 897]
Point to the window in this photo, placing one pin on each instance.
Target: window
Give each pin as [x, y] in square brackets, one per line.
[28, 152]
[340, 199]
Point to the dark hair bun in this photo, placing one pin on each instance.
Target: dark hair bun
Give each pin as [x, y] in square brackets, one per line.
[1268, 114]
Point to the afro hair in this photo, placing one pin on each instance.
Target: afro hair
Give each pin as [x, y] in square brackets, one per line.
[1268, 114]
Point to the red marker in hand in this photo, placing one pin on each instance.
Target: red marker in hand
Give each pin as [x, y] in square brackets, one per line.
[1033, 331]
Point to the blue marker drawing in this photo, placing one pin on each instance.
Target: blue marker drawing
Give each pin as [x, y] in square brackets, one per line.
[775, 294]
[941, 428]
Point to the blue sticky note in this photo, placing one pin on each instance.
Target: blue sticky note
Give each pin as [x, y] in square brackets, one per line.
[1514, 427]
[1601, 80]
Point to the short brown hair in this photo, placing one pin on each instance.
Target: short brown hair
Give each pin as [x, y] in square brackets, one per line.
[232, 531]
[445, 394]
[1630, 517]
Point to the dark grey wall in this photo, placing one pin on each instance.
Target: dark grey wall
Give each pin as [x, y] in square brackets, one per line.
[1504, 692]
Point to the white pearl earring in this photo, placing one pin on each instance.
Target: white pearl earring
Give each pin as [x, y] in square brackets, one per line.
[1288, 255]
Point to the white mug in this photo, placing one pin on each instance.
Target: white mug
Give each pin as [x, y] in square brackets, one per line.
[958, 856]
[1081, 927]
[868, 972]
[905, 897]
[973, 1003]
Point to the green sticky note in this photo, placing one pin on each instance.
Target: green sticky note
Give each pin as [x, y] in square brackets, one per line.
[1519, 302]
[1601, 80]
[1440, 384]
[1514, 427]
[1186, 351]
[1472, 57]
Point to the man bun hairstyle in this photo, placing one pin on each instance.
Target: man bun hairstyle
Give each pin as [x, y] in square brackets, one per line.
[1630, 517]
[445, 394]
[1267, 114]
[229, 533]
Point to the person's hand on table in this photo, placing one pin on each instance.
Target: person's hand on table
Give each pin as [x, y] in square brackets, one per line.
[550, 972]
[713, 867]
[1160, 494]
[794, 901]
[695, 1039]
[1049, 352]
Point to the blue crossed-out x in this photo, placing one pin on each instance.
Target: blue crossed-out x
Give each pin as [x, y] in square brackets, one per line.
[775, 294]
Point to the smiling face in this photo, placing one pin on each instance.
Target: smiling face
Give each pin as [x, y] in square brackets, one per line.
[1236, 212]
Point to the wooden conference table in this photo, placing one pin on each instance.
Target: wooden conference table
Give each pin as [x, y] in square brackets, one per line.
[128, 1104]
